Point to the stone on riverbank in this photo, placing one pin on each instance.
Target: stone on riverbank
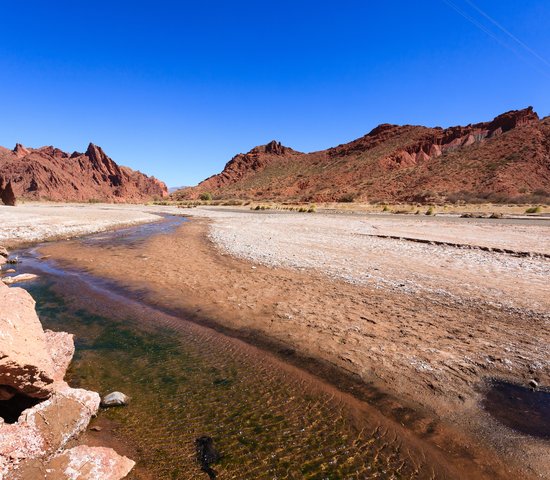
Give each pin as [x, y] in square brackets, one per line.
[25, 362]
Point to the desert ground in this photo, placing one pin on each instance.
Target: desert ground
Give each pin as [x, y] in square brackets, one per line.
[426, 310]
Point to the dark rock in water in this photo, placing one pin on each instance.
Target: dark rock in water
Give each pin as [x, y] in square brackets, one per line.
[7, 195]
[207, 454]
[222, 382]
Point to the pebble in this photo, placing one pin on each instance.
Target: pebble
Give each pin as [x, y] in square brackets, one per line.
[533, 384]
[115, 399]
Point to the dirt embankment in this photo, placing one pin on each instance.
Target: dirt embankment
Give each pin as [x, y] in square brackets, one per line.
[471, 315]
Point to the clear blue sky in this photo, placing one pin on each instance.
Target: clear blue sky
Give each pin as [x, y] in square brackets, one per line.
[176, 88]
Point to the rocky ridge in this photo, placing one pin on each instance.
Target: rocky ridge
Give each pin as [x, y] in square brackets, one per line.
[48, 173]
[39, 411]
[501, 160]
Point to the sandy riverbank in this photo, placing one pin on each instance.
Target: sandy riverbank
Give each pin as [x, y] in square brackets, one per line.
[432, 346]
[34, 222]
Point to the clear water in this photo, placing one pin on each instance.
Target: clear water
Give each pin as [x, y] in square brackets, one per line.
[186, 381]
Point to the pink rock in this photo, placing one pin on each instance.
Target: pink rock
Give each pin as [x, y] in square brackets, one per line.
[23, 277]
[89, 463]
[25, 362]
[61, 348]
[470, 140]
[421, 156]
[405, 159]
[435, 151]
[47, 427]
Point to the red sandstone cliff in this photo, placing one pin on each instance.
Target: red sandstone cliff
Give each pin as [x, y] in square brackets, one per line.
[505, 159]
[48, 173]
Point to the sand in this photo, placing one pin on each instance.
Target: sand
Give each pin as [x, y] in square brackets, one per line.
[33, 222]
[428, 325]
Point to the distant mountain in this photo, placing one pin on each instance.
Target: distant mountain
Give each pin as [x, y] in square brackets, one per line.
[175, 189]
[48, 173]
[502, 160]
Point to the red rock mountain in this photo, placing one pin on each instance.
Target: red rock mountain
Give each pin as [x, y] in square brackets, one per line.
[48, 173]
[506, 159]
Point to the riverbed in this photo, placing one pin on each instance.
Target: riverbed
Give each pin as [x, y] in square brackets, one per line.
[155, 278]
[268, 419]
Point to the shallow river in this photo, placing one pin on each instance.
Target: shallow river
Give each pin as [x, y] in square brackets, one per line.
[267, 419]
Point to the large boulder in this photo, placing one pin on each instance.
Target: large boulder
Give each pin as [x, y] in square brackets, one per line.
[46, 427]
[25, 362]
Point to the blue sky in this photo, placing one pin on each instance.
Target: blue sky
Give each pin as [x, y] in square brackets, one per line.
[176, 88]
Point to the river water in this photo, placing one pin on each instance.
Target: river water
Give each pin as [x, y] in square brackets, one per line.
[268, 420]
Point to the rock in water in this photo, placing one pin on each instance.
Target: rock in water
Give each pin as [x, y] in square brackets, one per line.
[206, 455]
[25, 362]
[24, 277]
[115, 399]
[3, 252]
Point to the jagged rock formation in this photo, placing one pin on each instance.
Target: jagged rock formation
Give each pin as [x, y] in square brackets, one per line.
[39, 412]
[505, 159]
[48, 173]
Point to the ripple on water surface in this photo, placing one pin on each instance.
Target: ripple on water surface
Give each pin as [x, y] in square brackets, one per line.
[187, 383]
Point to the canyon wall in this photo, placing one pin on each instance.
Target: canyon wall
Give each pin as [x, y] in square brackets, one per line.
[506, 159]
[48, 173]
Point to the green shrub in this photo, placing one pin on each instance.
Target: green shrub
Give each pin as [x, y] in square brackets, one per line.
[430, 211]
[537, 209]
[386, 208]
[205, 196]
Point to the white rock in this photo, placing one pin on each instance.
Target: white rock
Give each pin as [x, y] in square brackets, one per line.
[115, 399]
[23, 277]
